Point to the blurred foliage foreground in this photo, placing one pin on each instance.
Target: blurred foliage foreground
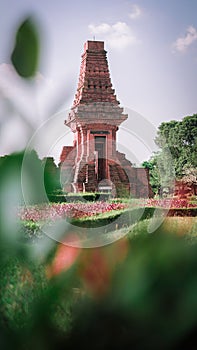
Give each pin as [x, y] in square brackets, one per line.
[140, 292]
[136, 293]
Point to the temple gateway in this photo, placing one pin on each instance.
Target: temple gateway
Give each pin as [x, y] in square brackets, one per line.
[93, 163]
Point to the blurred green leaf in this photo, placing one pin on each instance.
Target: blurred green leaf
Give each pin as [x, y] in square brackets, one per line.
[26, 51]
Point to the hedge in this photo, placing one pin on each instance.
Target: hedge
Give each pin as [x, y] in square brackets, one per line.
[130, 216]
[79, 197]
[109, 221]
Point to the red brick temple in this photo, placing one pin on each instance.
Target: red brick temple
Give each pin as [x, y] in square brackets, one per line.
[93, 163]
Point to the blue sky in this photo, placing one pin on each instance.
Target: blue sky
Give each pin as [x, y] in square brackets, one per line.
[152, 54]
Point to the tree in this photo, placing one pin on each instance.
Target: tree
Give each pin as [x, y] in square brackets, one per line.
[180, 137]
[153, 174]
[51, 176]
[161, 172]
[178, 143]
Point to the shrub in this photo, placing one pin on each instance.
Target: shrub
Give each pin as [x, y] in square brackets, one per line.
[21, 286]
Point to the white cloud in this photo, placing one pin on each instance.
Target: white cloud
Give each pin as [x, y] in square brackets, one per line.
[136, 12]
[102, 28]
[117, 35]
[182, 43]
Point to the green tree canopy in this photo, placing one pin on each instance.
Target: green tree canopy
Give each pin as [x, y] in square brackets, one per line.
[178, 143]
[181, 139]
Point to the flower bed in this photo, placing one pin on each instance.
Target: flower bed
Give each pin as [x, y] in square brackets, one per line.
[175, 203]
[67, 210]
[83, 210]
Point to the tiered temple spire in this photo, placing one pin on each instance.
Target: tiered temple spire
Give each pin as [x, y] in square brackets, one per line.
[93, 161]
[94, 80]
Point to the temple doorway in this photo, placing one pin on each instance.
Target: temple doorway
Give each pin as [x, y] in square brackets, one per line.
[100, 147]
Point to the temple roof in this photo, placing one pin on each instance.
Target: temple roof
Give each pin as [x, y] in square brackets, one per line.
[94, 79]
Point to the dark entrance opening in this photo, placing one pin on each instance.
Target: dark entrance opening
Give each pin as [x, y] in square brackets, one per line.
[100, 147]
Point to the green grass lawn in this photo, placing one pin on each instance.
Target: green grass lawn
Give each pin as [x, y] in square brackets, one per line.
[180, 226]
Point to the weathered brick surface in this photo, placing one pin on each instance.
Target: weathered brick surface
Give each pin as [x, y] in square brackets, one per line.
[185, 190]
[96, 112]
[68, 153]
[94, 81]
